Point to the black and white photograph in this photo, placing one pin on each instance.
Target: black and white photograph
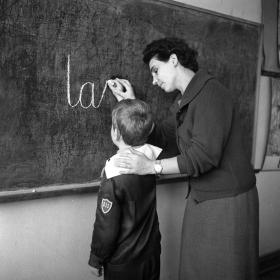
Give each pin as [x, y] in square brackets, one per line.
[139, 139]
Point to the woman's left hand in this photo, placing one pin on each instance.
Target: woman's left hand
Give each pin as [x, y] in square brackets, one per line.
[96, 271]
[121, 89]
[134, 162]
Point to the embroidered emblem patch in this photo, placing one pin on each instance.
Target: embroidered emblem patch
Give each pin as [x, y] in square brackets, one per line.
[106, 205]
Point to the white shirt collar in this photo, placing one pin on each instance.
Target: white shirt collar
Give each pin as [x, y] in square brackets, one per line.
[150, 151]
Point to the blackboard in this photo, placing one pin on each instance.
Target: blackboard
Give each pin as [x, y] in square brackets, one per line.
[50, 49]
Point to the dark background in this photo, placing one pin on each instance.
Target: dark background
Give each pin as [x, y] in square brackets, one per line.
[44, 141]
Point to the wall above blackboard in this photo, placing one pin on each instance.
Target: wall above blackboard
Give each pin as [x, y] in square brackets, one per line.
[44, 140]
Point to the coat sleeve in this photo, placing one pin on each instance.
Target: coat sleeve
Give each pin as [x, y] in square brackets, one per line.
[164, 135]
[106, 225]
[211, 130]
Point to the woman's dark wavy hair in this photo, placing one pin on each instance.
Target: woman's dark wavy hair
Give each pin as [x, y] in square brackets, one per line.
[163, 48]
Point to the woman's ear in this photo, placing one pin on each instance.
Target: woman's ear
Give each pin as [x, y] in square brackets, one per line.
[174, 59]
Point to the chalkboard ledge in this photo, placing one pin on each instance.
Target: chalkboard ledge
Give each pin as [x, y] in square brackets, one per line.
[68, 189]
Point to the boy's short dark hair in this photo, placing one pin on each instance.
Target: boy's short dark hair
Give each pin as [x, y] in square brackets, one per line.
[133, 120]
[163, 48]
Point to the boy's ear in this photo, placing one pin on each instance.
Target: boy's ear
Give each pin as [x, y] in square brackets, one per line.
[116, 134]
[119, 137]
[174, 59]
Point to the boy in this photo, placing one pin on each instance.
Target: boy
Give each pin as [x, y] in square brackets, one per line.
[126, 237]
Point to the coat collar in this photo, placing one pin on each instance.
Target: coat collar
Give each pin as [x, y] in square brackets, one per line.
[196, 84]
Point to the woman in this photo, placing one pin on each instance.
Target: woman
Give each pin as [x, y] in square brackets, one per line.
[220, 226]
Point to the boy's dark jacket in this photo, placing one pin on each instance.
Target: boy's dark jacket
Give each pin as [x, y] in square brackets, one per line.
[126, 227]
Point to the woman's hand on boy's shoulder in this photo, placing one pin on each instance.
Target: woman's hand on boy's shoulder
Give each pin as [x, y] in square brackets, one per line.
[96, 271]
[134, 162]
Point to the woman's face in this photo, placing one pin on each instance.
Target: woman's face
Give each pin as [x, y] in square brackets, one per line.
[163, 73]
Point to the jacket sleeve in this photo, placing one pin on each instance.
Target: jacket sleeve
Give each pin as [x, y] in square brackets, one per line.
[211, 129]
[106, 225]
[164, 135]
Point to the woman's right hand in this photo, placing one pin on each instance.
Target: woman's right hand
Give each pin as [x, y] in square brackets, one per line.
[122, 89]
[134, 162]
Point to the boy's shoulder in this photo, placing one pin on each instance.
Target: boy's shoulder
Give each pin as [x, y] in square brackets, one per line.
[126, 180]
[111, 170]
[128, 186]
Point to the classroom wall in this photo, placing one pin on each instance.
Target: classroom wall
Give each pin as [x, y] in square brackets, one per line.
[245, 9]
[49, 238]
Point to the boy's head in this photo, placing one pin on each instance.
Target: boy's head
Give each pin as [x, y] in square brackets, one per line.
[132, 120]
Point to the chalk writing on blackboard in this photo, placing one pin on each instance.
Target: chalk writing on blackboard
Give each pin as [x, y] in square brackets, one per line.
[45, 140]
[91, 84]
